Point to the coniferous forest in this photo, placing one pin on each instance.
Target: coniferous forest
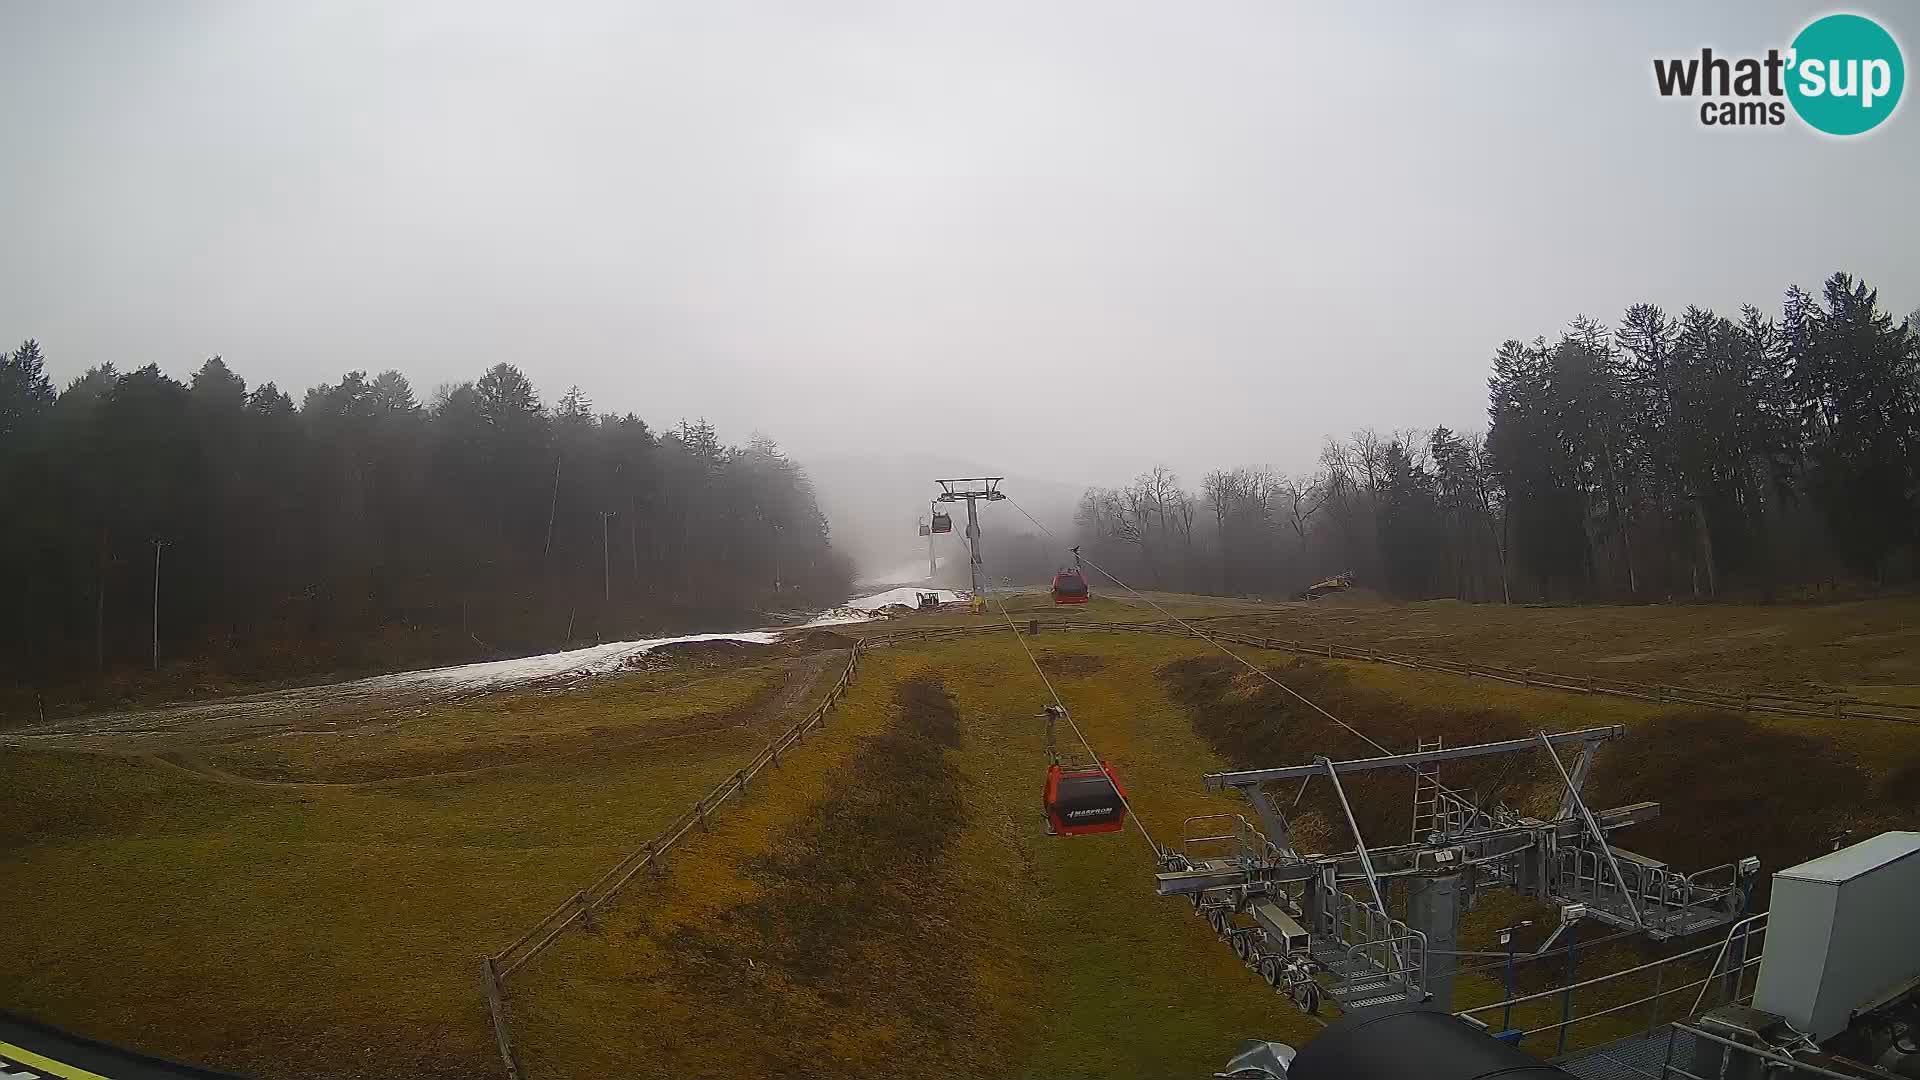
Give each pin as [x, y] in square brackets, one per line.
[1670, 456]
[362, 528]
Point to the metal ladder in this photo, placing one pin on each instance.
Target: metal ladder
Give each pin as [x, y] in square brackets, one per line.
[1427, 817]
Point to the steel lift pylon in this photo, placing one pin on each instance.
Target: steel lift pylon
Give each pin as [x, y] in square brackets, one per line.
[970, 490]
[1320, 924]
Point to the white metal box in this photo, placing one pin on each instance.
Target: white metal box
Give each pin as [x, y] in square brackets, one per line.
[1843, 932]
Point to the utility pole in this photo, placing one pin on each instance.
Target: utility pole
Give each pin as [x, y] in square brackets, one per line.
[553, 503]
[776, 558]
[606, 565]
[157, 545]
[970, 490]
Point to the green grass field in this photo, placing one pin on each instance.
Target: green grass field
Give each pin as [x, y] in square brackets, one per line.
[313, 905]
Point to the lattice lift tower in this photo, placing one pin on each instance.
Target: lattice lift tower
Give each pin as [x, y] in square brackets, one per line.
[971, 489]
[1315, 924]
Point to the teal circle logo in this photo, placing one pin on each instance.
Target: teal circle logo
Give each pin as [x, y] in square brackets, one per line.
[1845, 74]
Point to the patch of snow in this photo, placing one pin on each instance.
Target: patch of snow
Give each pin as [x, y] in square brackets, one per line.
[908, 597]
[593, 660]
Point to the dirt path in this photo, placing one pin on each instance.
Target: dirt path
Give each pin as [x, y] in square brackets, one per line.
[330, 705]
[803, 677]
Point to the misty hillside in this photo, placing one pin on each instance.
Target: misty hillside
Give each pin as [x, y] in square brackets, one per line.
[874, 505]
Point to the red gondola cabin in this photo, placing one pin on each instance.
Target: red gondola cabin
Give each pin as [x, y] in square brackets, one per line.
[1070, 587]
[1084, 799]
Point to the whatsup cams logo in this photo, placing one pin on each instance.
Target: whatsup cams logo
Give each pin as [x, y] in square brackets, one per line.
[1842, 75]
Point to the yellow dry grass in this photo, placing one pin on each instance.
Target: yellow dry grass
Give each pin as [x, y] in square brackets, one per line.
[331, 927]
[311, 930]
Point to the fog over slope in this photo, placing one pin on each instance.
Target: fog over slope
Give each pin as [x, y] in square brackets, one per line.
[875, 503]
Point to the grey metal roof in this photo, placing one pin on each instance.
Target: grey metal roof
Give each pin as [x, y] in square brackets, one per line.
[1852, 861]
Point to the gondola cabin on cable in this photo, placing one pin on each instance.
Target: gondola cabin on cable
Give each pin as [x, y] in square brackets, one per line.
[1070, 584]
[1080, 799]
[1069, 587]
[942, 523]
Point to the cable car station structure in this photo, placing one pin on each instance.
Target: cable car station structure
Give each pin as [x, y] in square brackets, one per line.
[1313, 923]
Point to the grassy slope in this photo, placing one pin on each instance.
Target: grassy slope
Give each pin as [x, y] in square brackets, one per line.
[1869, 646]
[334, 930]
[286, 931]
[1058, 957]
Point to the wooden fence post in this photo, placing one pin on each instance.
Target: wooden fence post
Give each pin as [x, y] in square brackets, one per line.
[497, 1014]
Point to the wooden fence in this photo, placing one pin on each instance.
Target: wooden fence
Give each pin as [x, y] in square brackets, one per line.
[583, 906]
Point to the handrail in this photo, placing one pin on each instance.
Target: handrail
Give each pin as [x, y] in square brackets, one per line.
[1744, 929]
[1635, 1003]
[1757, 1052]
[1593, 981]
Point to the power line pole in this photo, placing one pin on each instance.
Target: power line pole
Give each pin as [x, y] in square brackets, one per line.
[606, 564]
[774, 527]
[971, 489]
[157, 545]
[553, 503]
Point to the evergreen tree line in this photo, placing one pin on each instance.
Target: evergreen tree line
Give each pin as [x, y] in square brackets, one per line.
[362, 528]
[1691, 456]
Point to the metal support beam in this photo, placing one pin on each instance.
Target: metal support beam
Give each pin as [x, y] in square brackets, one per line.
[1523, 841]
[1359, 842]
[1434, 905]
[1599, 835]
[1577, 782]
[1219, 781]
[1273, 819]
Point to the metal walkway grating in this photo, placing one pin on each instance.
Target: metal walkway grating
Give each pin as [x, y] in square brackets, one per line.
[1636, 1057]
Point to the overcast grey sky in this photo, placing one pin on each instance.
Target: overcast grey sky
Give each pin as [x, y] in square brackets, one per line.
[1082, 238]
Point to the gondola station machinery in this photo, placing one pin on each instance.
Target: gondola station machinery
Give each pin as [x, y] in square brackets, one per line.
[1318, 925]
[1838, 955]
[1837, 996]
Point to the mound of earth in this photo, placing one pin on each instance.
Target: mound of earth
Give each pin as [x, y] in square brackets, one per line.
[709, 652]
